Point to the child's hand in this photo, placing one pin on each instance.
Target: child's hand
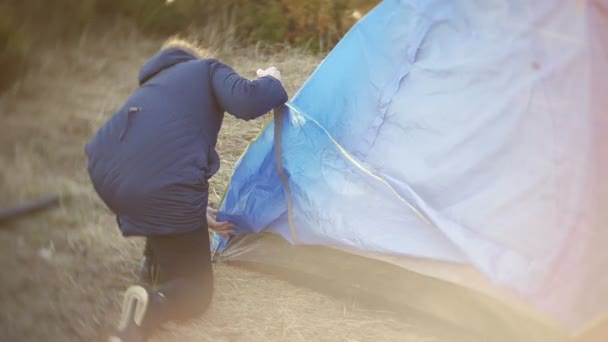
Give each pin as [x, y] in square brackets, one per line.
[272, 71]
[222, 228]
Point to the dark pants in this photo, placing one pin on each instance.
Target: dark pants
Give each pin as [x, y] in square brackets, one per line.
[185, 276]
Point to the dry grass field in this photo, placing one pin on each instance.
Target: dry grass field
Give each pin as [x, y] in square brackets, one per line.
[64, 270]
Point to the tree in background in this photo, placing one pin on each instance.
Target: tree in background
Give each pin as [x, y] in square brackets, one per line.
[321, 23]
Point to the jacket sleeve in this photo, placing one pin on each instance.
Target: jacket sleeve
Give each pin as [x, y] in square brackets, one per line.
[243, 98]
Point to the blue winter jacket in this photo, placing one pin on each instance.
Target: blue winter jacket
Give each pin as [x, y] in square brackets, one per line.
[151, 161]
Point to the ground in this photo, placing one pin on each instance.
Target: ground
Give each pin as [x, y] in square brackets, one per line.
[63, 271]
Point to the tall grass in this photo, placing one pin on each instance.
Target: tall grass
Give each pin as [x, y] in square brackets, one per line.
[219, 24]
[12, 52]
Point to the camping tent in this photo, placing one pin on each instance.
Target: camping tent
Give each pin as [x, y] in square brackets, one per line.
[445, 156]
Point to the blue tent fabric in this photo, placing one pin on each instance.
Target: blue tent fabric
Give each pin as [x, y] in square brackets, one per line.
[457, 131]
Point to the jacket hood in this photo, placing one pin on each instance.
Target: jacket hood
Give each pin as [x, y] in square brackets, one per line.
[161, 61]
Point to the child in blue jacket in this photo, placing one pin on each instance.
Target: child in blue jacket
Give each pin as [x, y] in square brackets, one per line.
[150, 163]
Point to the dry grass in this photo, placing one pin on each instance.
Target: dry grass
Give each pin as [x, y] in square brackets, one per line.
[253, 307]
[74, 294]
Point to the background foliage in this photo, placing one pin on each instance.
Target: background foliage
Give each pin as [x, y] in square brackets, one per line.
[316, 24]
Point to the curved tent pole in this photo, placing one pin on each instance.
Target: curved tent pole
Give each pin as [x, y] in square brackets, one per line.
[279, 116]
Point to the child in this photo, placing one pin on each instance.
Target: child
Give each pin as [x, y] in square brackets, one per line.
[150, 163]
